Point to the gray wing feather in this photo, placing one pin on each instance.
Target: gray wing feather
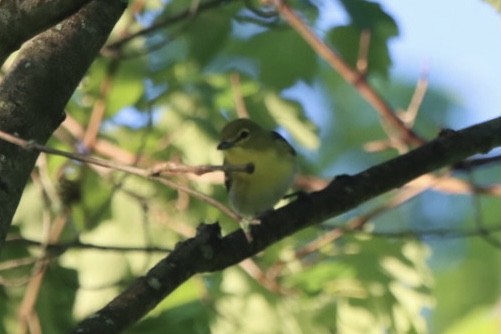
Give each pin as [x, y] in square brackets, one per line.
[227, 177]
[278, 137]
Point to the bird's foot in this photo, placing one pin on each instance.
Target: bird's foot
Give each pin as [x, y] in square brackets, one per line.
[300, 194]
[245, 223]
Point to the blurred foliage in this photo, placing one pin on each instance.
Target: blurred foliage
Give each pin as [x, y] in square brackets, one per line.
[166, 99]
[366, 17]
[495, 3]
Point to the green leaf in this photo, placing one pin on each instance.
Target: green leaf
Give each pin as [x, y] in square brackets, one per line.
[469, 276]
[127, 87]
[29, 211]
[193, 318]
[495, 3]
[370, 17]
[281, 55]
[207, 33]
[480, 320]
[290, 115]
[56, 299]
[96, 195]
[323, 277]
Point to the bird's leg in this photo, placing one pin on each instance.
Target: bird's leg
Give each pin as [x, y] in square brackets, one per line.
[297, 194]
[245, 224]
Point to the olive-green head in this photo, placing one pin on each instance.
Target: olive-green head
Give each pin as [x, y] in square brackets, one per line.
[243, 133]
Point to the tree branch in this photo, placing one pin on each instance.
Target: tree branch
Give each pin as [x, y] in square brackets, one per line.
[163, 23]
[157, 172]
[37, 87]
[22, 20]
[59, 248]
[351, 76]
[208, 252]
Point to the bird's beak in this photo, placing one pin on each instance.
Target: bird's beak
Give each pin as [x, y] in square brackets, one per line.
[224, 145]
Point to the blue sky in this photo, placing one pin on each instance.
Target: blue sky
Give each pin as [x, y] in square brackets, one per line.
[460, 44]
[458, 41]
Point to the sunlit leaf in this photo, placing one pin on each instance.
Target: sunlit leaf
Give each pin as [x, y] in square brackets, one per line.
[127, 86]
[56, 299]
[289, 115]
[277, 67]
[166, 95]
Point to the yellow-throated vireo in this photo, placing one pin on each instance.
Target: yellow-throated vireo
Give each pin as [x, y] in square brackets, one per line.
[272, 166]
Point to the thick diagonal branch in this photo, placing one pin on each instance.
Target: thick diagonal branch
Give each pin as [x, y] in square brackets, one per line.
[37, 87]
[22, 20]
[207, 252]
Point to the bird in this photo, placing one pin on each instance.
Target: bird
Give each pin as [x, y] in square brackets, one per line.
[270, 166]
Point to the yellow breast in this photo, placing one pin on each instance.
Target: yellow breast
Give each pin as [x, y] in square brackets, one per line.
[254, 193]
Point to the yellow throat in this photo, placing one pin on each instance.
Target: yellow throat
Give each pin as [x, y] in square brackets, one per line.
[274, 166]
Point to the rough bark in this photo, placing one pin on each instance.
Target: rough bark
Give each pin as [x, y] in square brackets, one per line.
[37, 87]
[208, 252]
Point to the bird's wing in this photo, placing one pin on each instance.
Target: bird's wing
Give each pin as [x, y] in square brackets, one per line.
[282, 142]
[227, 177]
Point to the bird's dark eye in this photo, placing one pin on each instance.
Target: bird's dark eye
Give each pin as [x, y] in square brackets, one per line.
[243, 134]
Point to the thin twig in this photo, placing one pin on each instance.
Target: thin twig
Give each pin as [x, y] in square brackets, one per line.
[102, 146]
[410, 115]
[27, 313]
[185, 14]
[468, 165]
[226, 210]
[355, 226]
[99, 108]
[240, 108]
[363, 51]
[357, 223]
[146, 173]
[30, 145]
[171, 167]
[59, 248]
[444, 183]
[479, 219]
[439, 233]
[351, 76]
